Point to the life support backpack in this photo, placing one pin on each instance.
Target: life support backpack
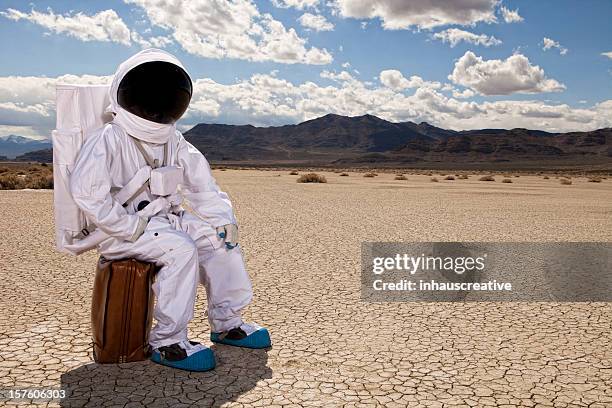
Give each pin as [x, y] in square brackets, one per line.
[80, 112]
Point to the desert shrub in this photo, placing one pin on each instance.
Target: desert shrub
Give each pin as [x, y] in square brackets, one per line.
[487, 178]
[40, 182]
[462, 177]
[370, 175]
[401, 177]
[3, 170]
[507, 180]
[434, 179]
[429, 174]
[44, 164]
[565, 182]
[546, 177]
[594, 180]
[294, 173]
[449, 177]
[312, 178]
[343, 174]
[11, 182]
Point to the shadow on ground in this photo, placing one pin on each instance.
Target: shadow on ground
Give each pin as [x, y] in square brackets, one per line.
[151, 385]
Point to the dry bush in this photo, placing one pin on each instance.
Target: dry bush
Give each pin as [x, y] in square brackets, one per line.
[565, 182]
[507, 180]
[294, 173]
[11, 182]
[40, 182]
[370, 175]
[3, 170]
[462, 177]
[487, 178]
[343, 174]
[312, 178]
[594, 180]
[401, 177]
[449, 178]
[546, 177]
[434, 180]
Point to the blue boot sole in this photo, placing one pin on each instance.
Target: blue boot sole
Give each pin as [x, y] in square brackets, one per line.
[203, 360]
[256, 340]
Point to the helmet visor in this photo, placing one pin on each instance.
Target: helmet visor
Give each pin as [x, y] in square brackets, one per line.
[158, 91]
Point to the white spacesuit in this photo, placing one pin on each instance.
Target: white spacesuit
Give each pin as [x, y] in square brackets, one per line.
[190, 247]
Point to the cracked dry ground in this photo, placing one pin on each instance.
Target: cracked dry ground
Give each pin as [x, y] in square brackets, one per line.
[302, 246]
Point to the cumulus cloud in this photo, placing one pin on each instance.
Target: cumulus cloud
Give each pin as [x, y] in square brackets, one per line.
[454, 36]
[548, 43]
[298, 4]
[607, 54]
[231, 29]
[315, 22]
[502, 77]
[29, 101]
[510, 16]
[394, 79]
[400, 14]
[466, 93]
[103, 26]
[27, 104]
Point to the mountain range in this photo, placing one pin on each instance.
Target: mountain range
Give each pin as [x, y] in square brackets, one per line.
[371, 141]
[12, 146]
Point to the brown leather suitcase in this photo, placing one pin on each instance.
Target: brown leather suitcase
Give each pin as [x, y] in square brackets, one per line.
[122, 310]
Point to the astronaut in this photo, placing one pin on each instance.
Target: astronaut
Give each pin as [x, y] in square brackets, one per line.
[149, 93]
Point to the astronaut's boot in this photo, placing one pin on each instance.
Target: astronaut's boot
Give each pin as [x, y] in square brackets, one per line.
[246, 335]
[186, 355]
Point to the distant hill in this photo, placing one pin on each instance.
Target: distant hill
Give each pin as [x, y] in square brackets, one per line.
[369, 140]
[41, 156]
[13, 145]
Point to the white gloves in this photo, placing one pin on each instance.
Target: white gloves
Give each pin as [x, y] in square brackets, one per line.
[229, 233]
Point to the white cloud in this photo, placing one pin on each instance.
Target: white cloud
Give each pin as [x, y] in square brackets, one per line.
[394, 79]
[511, 16]
[607, 54]
[346, 64]
[401, 14]
[466, 93]
[298, 4]
[550, 43]
[502, 77]
[315, 22]
[27, 104]
[156, 42]
[231, 29]
[343, 76]
[103, 26]
[454, 36]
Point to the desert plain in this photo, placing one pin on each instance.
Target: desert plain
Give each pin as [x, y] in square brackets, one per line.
[301, 243]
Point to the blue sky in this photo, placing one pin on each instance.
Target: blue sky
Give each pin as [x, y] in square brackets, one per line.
[482, 63]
